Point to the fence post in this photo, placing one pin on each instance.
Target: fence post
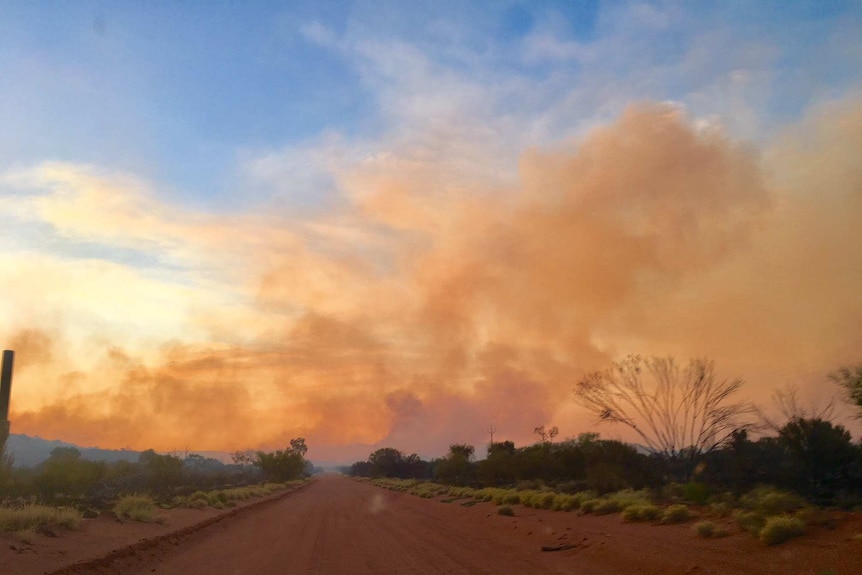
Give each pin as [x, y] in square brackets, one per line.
[5, 393]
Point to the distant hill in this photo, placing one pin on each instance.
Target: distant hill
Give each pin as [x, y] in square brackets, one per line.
[29, 451]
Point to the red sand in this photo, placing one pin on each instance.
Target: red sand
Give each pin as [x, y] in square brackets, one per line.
[337, 525]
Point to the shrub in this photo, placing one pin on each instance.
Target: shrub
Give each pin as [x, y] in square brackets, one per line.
[641, 512]
[543, 500]
[676, 514]
[589, 505]
[136, 507]
[34, 516]
[721, 509]
[511, 498]
[705, 528]
[563, 502]
[629, 497]
[696, 493]
[506, 510]
[526, 497]
[780, 528]
[606, 506]
[750, 521]
[770, 501]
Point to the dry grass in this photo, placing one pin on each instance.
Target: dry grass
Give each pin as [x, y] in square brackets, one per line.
[35, 516]
[138, 508]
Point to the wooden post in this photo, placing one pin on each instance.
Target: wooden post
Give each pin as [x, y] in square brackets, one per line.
[5, 393]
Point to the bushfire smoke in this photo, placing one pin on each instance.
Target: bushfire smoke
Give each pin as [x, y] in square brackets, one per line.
[430, 304]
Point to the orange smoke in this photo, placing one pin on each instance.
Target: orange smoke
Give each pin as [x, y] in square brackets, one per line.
[433, 307]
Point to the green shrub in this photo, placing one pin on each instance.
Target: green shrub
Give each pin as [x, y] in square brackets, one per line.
[195, 503]
[672, 492]
[526, 497]
[511, 498]
[589, 505]
[641, 512]
[564, 502]
[506, 510]
[780, 528]
[676, 514]
[543, 500]
[136, 507]
[705, 528]
[606, 506]
[721, 509]
[629, 497]
[696, 493]
[751, 521]
[770, 501]
[34, 516]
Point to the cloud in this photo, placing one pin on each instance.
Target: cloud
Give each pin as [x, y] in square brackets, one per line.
[431, 304]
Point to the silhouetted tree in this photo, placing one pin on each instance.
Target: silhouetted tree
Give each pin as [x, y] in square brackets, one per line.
[283, 465]
[164, 471]
[850, 381]
[386, 462]
[457, 467]
[66, 475]
[498, 468]
[679, 414]
[822, 457]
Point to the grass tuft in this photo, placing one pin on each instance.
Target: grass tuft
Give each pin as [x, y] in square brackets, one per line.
[641, 512]
[676, 514]
[780, 528]
[34, 516]
[505, 510]
[136, 507]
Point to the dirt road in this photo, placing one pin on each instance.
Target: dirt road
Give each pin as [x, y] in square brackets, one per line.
[337, 525]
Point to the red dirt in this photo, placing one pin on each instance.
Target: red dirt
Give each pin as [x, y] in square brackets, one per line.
[337, 525]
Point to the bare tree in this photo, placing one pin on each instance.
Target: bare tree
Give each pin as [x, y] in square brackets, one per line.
[790, 408]
[546, 435]
[681, 411]
[850, 380]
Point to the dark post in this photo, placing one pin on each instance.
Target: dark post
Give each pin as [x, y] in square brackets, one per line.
[5, 393]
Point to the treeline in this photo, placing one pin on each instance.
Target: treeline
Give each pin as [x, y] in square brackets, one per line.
[68, 478]
[811, 456]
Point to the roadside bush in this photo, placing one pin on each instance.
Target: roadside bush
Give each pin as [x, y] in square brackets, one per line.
[704, 528]
[543, 500]
[34, 516]
[780, 528]
[526, 497]
[750, 521]
[606, 506]
[641, 512]
[675, 514]
[721, 509]
[563, 502]
[697, 493]
[770, 501]
[589, 505]
[511, 498]
[629, 497]
[506, 510]
[136, 507]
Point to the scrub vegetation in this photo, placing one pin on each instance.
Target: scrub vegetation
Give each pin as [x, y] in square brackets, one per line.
[773, 486]
[59, 490]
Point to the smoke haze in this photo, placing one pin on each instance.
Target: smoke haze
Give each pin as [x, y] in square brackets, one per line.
[433, 303]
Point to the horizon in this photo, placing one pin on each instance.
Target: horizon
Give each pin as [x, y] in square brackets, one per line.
[381, 224]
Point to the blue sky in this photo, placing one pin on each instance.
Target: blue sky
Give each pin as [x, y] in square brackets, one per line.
[414, 217]
[182, 92]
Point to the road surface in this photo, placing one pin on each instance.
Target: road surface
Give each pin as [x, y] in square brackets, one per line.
[337, 525]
